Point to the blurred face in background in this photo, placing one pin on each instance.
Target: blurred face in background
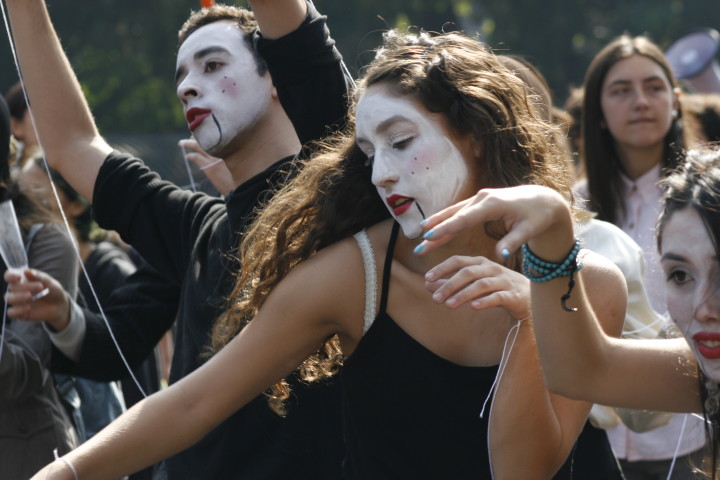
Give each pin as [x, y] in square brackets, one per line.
[637, 102]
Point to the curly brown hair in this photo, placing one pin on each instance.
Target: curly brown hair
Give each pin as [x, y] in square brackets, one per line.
[332, 197]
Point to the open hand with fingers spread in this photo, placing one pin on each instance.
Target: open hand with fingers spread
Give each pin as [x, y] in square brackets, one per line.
[37, 297]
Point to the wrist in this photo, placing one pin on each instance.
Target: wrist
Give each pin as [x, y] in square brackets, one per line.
[65, 465]
[60, 322]
[554, 243]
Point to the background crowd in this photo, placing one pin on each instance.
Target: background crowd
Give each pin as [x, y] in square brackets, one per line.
[378, 398]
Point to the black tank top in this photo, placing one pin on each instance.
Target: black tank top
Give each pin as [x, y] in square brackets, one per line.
[410, 414]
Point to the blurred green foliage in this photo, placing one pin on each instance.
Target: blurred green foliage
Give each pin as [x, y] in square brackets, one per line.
[124, 52]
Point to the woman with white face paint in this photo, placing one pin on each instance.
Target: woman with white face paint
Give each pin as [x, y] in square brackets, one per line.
[436, 119]
[578, 360]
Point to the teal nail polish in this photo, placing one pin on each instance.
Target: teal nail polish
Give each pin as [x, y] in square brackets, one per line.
[505, 254]
[422, 223]
[419, 248]
[429, 234]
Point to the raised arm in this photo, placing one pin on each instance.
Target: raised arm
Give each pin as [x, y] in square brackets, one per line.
[65, 126]
[277, 18]
[308, 71]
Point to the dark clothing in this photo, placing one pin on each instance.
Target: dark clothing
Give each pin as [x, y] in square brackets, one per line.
[33, 420]
[306, 69]
[591, 458]
[311, 80]
[408, 412]
[189, 239]
[139, 313]
[108, 266]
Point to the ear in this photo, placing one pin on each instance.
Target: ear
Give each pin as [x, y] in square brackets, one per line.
[478, 148]
[273, 93]
[676, 101]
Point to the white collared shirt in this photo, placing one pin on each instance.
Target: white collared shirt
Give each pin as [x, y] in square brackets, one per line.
[642, 198]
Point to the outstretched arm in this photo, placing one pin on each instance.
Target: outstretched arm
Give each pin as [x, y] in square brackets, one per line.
[578, 359]
[65, 126]
[273, 344]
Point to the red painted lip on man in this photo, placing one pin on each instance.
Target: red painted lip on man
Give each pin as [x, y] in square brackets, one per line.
[195, 116]
[712, 351]
[399, 203]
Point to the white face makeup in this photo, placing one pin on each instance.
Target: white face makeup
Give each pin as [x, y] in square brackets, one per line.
[691, 268]
[416, 168]
[219, 87]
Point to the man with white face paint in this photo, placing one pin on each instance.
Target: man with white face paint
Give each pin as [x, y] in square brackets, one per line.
[233, 109]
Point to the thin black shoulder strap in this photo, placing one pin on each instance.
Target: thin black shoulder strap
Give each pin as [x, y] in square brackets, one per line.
[387, 266]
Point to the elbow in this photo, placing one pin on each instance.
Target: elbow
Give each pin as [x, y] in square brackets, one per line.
[568, 382]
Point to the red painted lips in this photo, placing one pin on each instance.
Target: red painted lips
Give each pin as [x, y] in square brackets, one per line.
[399, 204]
[195, 116]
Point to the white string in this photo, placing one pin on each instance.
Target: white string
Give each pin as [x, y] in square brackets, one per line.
[57, 201]
[67, 462]
[4, 322]
[697, 415]
[212, 164]
[189, 171]
[503, 362]
[677, 447]
[659, 319]
[493, 388]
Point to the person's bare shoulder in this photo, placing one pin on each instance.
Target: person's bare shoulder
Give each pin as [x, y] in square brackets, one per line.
[606, 290]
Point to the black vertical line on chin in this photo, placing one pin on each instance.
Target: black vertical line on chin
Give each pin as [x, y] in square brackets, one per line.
[217, 124]
[420, 209]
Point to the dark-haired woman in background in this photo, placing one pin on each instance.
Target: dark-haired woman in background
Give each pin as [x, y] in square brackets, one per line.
[632, 138]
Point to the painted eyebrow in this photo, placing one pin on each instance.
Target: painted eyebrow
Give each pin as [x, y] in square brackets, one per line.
[673, 257]
[385, 125]
[199, 55]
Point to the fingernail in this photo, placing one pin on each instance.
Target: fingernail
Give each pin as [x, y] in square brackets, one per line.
[419, 248]
[505, 254]
[437, 296]
[40, 294]
[423, 223]
[451, 302]
[430, 276]
[429, 234]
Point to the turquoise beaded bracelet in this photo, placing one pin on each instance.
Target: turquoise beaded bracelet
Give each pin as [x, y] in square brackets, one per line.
[538, 270]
